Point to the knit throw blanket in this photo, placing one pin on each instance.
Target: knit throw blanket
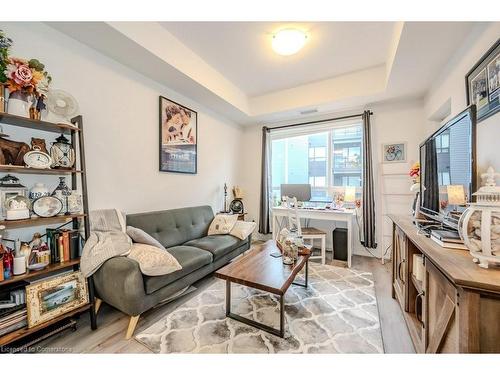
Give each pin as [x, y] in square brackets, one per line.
[107, 240]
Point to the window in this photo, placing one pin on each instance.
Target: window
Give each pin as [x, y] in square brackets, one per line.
[443, 143]
[326, 159]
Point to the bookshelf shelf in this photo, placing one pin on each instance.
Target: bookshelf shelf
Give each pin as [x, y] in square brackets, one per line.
[25, 170]
[23, 332]
[34, 221]
[47, 270]
[26, 122]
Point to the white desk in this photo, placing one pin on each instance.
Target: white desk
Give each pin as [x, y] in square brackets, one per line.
[346, 216]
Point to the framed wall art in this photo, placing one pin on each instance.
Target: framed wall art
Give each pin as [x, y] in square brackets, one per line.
[47, 299]
[178, 137]
[394, 152]
[483, 83]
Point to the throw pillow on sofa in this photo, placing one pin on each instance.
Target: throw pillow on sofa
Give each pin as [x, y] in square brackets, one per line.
[152, 260]
[139, 236]
[222, 224]
[242, 229]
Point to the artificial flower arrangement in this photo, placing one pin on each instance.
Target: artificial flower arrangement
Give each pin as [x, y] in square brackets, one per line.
[415, 172]
[25, 79]
[28, 77]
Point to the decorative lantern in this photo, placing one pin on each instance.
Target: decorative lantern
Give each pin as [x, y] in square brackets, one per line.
[62, 153]
[62, 192]
[479, 225]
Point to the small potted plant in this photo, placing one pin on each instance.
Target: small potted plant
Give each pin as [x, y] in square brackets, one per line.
[5, 44]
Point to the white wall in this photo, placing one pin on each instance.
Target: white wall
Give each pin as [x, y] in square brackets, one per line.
[392, 122]
[120, 112]
[448, 92]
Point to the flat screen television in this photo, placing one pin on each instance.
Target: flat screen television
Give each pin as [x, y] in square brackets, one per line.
[448, 169]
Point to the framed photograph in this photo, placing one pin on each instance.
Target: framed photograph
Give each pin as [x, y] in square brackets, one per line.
[178, 137]
[394, 152]
[483, 83]
[47, 299]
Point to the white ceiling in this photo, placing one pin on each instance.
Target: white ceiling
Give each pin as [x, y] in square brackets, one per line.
[231, 69]
[242, 52]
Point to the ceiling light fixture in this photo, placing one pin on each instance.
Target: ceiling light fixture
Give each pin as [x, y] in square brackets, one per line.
[287, 42]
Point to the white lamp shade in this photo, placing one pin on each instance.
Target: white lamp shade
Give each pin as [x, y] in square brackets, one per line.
[456, 194]
[350, 194]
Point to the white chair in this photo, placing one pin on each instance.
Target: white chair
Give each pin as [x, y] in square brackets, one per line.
[306, 233]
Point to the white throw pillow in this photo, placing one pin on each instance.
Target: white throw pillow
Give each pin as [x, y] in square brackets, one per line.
[152, 260]
[242, 229]
[222, 224]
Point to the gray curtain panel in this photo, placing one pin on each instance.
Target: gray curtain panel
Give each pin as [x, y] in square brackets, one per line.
[369, 240]
[264, 225]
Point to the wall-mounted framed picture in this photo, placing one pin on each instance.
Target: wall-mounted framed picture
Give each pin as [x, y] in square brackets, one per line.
[394, 152]
[47, 299]
[483, 83]
[178, 137]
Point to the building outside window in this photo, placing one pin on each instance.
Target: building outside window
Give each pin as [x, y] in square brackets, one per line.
[327, 160]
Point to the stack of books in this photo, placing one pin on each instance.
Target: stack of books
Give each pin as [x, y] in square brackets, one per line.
[447, 238]
[13, 318]
[64, 244]
[13, 313]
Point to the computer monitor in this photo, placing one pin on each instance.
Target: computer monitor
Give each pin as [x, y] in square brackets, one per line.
[300, 191]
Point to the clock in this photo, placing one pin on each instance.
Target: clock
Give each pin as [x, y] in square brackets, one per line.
[236, 206]
[36, 158]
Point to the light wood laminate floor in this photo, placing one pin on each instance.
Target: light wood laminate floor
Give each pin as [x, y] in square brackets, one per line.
[110, 336]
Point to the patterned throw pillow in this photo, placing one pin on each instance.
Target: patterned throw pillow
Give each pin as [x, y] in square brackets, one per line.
[152, 260]
[222, 224]
[242, 229]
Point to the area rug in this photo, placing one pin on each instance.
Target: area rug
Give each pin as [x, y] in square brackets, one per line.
[337, 313]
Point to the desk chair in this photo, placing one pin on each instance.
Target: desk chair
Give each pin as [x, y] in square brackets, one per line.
[306, 233]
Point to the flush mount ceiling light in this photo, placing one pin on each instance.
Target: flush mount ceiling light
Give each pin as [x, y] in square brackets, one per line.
[287, 42]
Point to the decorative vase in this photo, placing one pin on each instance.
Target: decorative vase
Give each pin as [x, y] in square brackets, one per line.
[37, 191]
[19, 104]
[479, 225]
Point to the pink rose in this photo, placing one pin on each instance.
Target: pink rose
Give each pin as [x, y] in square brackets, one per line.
[22, 75]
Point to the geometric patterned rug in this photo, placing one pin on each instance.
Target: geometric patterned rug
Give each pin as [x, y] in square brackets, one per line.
[337, 313]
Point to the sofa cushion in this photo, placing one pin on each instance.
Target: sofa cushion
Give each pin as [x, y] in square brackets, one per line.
[219, 244]
[174, 227]
[222, 224]
[190, 258]
[153, 261]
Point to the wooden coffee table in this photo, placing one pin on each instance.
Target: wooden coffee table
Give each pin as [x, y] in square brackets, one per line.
[258, 269]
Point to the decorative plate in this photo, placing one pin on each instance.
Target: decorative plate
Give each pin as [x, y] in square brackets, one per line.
[37, 266]
[37, 159]
[47, 206]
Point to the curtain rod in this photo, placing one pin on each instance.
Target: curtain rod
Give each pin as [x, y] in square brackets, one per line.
[315, 122]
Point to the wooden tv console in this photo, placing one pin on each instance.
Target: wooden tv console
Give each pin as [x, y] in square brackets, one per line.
[456, 309]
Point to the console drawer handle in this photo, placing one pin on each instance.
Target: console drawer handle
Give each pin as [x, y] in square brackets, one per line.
[399, 271]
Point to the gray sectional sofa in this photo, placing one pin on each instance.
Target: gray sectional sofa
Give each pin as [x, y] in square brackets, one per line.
[120, 283]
